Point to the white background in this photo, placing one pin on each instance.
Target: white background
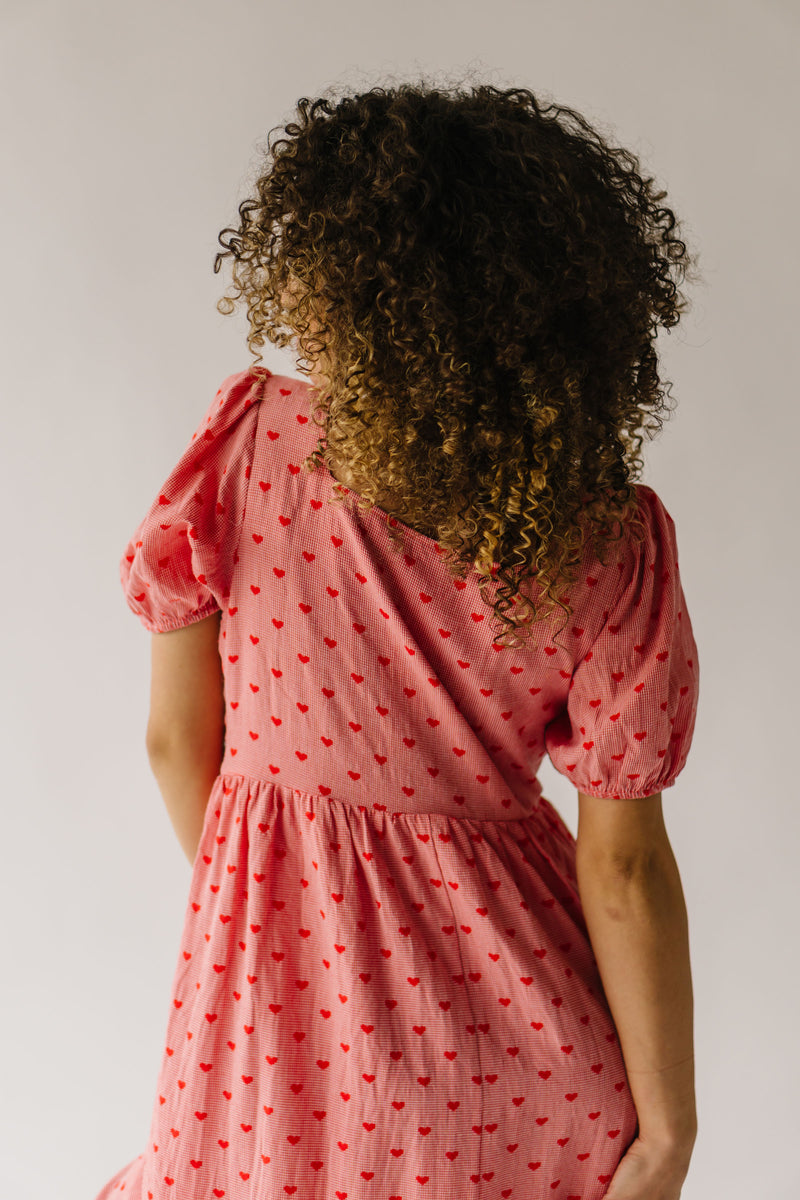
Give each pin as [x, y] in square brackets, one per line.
[129, 132]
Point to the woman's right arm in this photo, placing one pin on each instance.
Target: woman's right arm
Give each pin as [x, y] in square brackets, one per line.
[633, 904]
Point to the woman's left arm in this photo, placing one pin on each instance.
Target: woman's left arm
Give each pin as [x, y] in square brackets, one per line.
[186, 727]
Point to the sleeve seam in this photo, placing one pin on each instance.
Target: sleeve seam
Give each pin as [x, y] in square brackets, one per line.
[623, 584]
[257, 406]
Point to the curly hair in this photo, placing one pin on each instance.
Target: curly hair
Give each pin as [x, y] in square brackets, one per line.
[481, 278]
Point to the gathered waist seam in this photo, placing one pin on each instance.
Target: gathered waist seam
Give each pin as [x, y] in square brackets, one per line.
[362, 809]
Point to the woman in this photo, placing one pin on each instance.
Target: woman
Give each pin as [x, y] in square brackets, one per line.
[400, 974]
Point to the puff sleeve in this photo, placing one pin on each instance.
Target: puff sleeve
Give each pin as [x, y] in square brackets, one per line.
[177, 566]
[632, 700]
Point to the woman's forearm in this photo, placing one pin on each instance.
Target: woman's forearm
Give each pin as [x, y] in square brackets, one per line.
[638, 928]
[185, 776]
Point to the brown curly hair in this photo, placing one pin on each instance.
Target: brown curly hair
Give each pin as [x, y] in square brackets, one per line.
[482, 283]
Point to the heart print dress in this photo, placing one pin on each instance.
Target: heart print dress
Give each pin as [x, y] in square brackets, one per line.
[384, 986]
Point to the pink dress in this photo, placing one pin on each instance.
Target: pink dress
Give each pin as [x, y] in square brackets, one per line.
[384, 986]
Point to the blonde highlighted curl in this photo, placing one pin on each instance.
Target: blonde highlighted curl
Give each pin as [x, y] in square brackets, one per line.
[481, 278]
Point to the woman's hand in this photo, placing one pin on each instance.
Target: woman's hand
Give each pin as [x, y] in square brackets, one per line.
[651, 1171]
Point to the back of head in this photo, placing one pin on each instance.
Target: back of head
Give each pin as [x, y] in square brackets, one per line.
[478, 280]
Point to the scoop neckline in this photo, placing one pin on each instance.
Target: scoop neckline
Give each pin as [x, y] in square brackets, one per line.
[366, 512]
[388, 517]
[432, 542]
